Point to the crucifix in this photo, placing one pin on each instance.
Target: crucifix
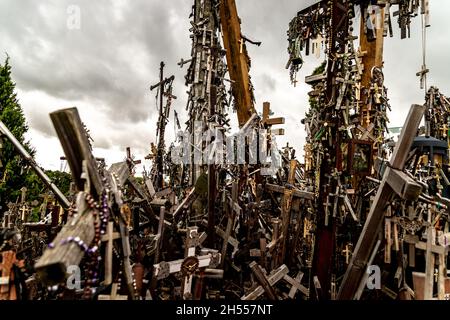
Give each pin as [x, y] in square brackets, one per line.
[367, 132]
[162, 122]
[190, 264]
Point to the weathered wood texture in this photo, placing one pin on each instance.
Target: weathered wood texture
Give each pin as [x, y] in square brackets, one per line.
[75, 143]
[237, 60]
[53, 264]
[369, 234]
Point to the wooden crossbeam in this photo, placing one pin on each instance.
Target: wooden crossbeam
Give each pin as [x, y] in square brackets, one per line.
[76, 146]
[296, 193]
[238, 61]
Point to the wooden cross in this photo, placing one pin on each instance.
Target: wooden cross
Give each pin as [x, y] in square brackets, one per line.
[423, 75]
[287, 149]
[159, 235]
[394, 181]
[296, 193]
[109, 237]
[130, 160]
[286, 204]
[296, 285]
[367, 132]
[347, 252]
[431, 249]
[281, 273]
[233, 209]
[327, 206]
[23, 213]
[231, 240]
[342, 193]
[190, 264]
[266, 121]
[113, 295]
[342, 90]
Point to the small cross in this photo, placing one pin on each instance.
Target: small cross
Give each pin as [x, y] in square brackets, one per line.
[24, 210]
[347, 252]
[241, 45]
[130, 160]
[183, 62]
[423, 75]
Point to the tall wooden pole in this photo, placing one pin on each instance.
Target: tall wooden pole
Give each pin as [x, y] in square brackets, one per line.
[372, 56]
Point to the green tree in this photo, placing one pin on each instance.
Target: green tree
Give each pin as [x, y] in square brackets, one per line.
[12, 173]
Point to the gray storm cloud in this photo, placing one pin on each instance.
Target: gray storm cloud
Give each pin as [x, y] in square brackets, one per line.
[110, 62]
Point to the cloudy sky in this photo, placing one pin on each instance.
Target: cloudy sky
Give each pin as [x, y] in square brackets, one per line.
[106, 66]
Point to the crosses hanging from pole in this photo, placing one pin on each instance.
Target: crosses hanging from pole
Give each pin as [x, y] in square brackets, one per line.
[164, 90]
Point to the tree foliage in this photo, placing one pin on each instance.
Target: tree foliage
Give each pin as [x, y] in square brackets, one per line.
[14, 171]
